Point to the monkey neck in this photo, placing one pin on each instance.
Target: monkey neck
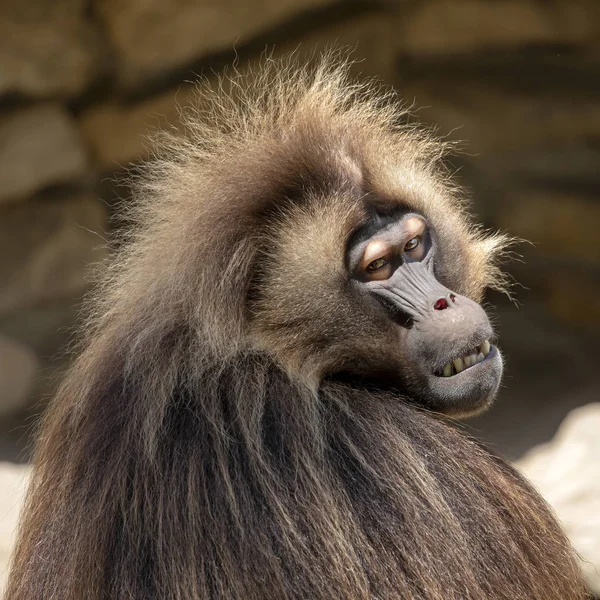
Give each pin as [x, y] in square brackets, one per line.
[240, 483]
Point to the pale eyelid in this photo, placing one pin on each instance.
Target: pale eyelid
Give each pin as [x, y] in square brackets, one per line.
[383, 247]
[415, 227]
[374, 250]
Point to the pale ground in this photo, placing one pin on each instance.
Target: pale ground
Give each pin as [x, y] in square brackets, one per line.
[567, 473]
[13, 481]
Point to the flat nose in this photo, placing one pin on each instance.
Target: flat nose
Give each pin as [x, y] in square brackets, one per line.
[415, 291]
[444, 302]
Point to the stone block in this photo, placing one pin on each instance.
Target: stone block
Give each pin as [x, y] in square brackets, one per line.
[19, 367]
[152, 36]
[46, 247]
[39, 147]
[460, 26]
[561, 225]
[496, 118]
[118, 133]
[45, 331]
[49, 48]
[573, 296]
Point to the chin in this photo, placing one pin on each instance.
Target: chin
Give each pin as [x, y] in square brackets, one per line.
[465, 393]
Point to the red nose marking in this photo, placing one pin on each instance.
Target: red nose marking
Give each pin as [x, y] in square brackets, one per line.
[441, 304]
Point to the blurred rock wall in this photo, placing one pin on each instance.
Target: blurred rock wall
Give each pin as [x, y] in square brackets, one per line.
[82, 83]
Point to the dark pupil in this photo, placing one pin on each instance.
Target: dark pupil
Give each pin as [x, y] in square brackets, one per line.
[412, 244]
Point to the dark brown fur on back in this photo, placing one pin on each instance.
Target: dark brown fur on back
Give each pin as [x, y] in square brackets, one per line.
[195, 452]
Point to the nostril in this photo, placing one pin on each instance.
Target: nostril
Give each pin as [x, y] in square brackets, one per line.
[453, 297]
[440, 304]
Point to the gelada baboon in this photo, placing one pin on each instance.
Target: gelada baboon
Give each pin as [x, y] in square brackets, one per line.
[256, 412]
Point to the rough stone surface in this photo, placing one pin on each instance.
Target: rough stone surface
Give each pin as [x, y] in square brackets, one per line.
[48, 48]
[150, 36]
[502, 120]
[561, 225]
[118, 133]
[567, 472]
[573, 296]
[45, 331]
[39, 147]
[454, 26]
[560, 265]
[18, 369]
[13, 484]
[565, 289]
[46, 248]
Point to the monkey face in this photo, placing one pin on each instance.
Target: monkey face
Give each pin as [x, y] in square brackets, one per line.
[445, 358]
[379, 298]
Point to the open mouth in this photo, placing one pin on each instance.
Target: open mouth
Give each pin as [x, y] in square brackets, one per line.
[468, 360]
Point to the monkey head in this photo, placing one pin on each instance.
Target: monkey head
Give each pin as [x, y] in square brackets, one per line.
[320, 230]
[372, 273]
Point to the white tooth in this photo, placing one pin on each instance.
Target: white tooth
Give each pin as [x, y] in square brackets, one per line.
[485, 348]
[447, 369]
[469, 362]
[480, 357]
[459, 365]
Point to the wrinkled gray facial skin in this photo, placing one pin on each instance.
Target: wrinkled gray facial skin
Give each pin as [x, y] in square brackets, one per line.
[446, 337]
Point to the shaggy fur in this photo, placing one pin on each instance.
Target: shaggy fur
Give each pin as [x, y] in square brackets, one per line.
[201, 446]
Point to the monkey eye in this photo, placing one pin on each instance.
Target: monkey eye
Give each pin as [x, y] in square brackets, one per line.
[412, 244]
[376, 260]
[376, 265]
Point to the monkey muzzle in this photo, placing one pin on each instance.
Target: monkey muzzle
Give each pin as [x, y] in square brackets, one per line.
[446, 338]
